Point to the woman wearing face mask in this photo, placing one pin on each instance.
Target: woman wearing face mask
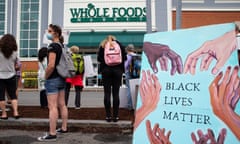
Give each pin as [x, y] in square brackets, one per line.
[54, 85]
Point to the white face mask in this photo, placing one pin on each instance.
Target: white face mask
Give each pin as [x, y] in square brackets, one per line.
[49, 36]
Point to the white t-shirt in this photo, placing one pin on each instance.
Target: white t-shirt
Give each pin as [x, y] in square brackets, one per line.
[41, 72]
[7, 66]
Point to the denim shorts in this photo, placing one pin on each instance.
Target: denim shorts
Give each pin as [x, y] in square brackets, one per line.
[55, 85]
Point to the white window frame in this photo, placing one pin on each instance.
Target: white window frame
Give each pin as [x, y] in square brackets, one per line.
[19, 26]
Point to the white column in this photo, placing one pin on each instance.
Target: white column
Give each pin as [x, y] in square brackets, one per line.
[163, 14]
[50, 9]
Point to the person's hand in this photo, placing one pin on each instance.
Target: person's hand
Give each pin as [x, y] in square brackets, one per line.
[220, 49]
[150, 94]
[236, 98]
[157, 135]
[17, 67]
[209, 137]
[224, 94]
[149, 90]
[202, 139]
[162, 53]
[221, 137]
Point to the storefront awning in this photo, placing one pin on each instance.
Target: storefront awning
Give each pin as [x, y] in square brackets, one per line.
[93, 39]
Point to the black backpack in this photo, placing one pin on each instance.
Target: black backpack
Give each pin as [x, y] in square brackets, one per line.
[135, 66]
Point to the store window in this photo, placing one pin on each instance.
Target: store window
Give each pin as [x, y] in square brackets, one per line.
[29, 28]
[2, 16]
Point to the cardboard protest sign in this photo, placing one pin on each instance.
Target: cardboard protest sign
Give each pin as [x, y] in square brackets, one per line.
[189, 87]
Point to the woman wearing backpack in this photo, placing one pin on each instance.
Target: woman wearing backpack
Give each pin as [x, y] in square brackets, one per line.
[112, 70]
[77, 80]
[55, 85]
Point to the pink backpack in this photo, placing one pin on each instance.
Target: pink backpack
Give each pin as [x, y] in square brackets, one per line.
[112, 53]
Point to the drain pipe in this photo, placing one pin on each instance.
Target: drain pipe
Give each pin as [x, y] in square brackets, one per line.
[179, 14]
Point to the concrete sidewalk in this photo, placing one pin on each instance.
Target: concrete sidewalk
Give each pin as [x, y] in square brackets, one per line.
[91, 98]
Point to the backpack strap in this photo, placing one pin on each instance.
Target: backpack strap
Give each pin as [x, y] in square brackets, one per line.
[62, 50]
[78, 66]
[43, 66]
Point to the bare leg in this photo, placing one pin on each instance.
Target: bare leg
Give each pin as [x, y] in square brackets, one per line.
[15, 107]
[3, 108]
[53, 113]
[63, 110]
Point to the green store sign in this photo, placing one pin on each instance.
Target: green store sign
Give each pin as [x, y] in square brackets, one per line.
[114, 14]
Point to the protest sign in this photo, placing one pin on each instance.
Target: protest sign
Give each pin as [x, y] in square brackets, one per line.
[189, 87]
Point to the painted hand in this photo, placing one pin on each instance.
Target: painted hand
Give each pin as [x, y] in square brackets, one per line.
[150, 94]
[224, 97]
[162, 53]
[220, 49]
[209, 137]
[157, 135]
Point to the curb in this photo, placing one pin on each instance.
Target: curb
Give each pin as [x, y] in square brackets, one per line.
[85, 126]
[86, 89]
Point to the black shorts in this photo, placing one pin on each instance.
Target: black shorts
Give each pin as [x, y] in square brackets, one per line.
[8, 85]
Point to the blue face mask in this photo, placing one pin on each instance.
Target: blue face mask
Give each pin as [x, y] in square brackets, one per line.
[49, 36]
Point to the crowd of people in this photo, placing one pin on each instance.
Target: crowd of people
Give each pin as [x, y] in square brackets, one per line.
[55, 84]
[56, 88]
[114, 60]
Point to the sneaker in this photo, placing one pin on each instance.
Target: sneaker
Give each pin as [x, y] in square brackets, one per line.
[77, 108]
[47, 137]
[108, 119]
[59, 131]
[115, 119]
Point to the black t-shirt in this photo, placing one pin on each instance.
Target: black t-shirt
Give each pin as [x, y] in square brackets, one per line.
[57, 49]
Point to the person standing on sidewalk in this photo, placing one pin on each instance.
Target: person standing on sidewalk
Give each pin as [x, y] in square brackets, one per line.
[112, 76]
[18, 66]
[77, 80]
[8, 57]
[127, 64]
[55, 85]
[42, 65]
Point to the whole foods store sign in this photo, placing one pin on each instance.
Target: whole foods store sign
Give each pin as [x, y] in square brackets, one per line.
[91, 13]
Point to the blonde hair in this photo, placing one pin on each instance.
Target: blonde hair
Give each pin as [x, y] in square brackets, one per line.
[74, 49]
[109, 38]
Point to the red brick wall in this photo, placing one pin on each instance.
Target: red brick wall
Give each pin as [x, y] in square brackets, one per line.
[200, 18]
[29, 65]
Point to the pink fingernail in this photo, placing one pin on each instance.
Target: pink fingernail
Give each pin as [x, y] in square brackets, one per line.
[214, 71]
